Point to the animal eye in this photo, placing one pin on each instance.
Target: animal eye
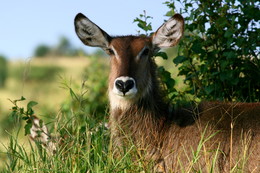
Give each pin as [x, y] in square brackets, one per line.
[110, 52]
[145, 52]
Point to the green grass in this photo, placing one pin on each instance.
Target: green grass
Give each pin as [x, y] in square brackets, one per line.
[48, 93]
[84, 148]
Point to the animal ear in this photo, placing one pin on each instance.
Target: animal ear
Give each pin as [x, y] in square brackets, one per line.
[89, 33]
[170, 33]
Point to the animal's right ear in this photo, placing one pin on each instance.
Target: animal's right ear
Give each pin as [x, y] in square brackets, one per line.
[89, 33]
[170, 33]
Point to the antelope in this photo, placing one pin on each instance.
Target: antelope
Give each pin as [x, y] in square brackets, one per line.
[169, 137]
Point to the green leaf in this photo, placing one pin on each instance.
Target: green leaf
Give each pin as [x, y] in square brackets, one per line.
[27, 127]
[14, 108]
[21, 111]
[31, 104]
[226, 76]
[234, 81]
[41, 123]
[163, 55]
[23, 98]
[25, 118]
[228, 33]
[231, 55]
[170, 13]
[224, 64]
[197, 47]
[166, 78]
[170, 84]
[209, 89]
[142, 22]
[73, 95]
[179, 59]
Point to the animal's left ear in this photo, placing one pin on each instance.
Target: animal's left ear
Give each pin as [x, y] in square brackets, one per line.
[89, 33]
[170, 33]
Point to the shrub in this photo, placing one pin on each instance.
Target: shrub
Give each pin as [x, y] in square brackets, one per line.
[96, 75]
[92, 97]
[37, 73]
[44, 73]
[42, 50]
[219, 54]
[63, 48]
[3, 71]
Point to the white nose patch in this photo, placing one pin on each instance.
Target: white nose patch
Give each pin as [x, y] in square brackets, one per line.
[125, 86]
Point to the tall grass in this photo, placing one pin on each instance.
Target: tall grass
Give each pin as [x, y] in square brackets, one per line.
[84, 146]
[84, 143]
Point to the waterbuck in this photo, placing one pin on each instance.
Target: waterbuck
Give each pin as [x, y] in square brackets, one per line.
[212, 136]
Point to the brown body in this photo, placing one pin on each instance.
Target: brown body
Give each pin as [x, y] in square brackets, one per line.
[212, 135]
[234, 128]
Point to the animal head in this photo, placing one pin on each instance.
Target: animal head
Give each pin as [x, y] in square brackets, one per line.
[132, 68]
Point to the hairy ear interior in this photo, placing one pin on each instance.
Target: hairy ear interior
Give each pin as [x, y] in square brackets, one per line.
[170, 33]
[89, 33]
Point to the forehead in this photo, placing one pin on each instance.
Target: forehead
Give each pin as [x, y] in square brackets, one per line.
[130, 44]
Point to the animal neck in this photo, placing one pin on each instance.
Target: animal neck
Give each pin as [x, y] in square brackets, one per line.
[142, 121]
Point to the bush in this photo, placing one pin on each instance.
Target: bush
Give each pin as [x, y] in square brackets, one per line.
[3, 71]
[63, 48]
[37, 73]
[219, 54]
[92, 97]
[44, 73]
[8, 123]
[96, 75]
[42, 50]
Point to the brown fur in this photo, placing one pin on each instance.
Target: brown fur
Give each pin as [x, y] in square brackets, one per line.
[168, 138]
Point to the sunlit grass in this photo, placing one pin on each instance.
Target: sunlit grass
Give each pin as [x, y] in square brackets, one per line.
[85, 147]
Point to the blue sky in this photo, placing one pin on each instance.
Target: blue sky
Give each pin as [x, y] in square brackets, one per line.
[28, 23]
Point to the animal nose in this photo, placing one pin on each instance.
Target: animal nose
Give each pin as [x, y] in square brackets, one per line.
[124, 87]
